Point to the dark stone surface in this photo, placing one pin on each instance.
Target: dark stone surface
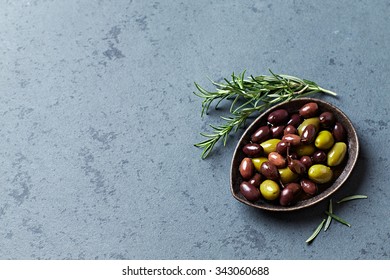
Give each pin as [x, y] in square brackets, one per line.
[98, 122]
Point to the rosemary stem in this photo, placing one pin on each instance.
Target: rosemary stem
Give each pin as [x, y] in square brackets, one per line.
[327, 91]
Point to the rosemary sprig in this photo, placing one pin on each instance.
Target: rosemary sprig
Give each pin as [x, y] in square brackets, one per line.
[316, 232]
[329, 218]
[352, 197]
[337, 218]
[249, 96]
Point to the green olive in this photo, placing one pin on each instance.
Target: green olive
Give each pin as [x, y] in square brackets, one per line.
[324, 140]
[269, 189]
[287, 176]
[320, 173]
[257, 162]
[269, 146]
[337, 154]
[313, 121]
[305, 150]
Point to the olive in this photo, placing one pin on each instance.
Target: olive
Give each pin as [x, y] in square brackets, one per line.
[307, 161]
[246, 168]
[314, 121]
[255, 180]
[295, 120]
[252, 149]
[324, 140]
[305, 150]
[257, 162]
[269, 189]
[309, 110]
[277, 131]
[327, 119]
[337, 154]
[320, 173]
[249, 191]
[269, 146]
[269, 171]
[277, 160]
[278, 117]
[297, 167]
[339, 132]
[281, 148]
[262, 134]
[287, 176]
[308, 186]
[308, 134]
[293, 139]
[289, 194]
[286, 197]
[290, 129]
[319, 157]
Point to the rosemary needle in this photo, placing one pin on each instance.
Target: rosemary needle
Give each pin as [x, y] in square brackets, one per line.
[352, 197]
[316, 232]
[249, 96]
[337, 218]
[329, 218]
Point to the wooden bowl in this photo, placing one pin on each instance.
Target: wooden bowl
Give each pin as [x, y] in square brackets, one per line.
[341, 172]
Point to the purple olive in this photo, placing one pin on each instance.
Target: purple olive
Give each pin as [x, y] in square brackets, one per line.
[270, 171]
[246, 168]
[262, 134]
[253, 149]
[249, 191]
[278, 117]
[309, 110]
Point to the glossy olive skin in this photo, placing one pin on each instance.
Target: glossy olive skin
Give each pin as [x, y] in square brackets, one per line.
[253, 150]
[337, 154]
[309, 110]
[276, 159]
[262, 134]
[339, 132]
[270, 171]
[289, 194]
[324, 140]
[295, 120]
[249, 191]
[269, 146]
[246, 168]
[257, 162]
[255, 180]
[293, 139]
[327, 119]
[305, 150]
[297, 167]
[281, 148]
[314, 121]
[269, 189]
[308, 134]
[306, 161]
[290, 129]
[277, 131]
[319, 157]
[287, 176]
[309, 187]
[278, 117]
[320, 173]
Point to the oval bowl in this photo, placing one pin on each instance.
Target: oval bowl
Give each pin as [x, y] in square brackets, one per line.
[342, 172]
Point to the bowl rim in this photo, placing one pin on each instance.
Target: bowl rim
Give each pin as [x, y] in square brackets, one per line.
[352, 159]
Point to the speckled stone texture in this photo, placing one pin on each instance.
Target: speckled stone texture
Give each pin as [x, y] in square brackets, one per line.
[98, 122]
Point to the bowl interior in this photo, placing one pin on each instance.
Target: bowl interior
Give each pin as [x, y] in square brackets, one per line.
[341, 172]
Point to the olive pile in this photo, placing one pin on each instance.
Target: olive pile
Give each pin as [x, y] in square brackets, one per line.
[292, 156]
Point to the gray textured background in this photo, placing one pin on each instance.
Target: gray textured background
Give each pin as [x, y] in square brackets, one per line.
[98, 121]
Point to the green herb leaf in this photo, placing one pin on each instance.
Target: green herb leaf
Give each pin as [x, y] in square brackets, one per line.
[337, 218]
[352, 197]
[249, 96]
[329, 218]
[316, 232]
